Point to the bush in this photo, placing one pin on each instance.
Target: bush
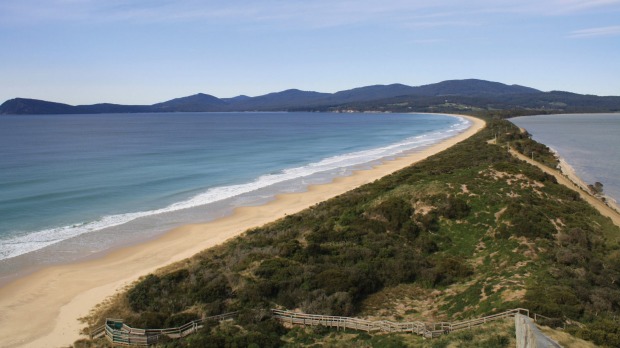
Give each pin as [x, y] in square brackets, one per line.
[149, 320]
[495, 341]
[139, 296]
[604, 332]
[395, 211]
[527, 219]
[454, 208]
[180, 319]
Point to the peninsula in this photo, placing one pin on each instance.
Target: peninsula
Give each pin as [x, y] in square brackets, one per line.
[62, 294]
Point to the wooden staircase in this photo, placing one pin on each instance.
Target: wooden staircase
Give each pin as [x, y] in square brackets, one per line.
[119, 333]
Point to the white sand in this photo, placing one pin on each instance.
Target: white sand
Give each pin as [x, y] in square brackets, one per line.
[41, 309]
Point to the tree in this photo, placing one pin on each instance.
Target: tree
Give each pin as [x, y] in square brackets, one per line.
[596, 189]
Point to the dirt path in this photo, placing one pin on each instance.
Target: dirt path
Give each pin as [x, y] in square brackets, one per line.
[595, 202]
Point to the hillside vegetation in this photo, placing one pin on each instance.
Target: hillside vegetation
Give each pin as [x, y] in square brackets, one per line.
[465, 233]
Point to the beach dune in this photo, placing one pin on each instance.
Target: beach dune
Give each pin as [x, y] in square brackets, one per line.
[42, 309]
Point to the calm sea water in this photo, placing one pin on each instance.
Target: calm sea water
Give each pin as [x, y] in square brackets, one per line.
[73, 185]
[590, 143]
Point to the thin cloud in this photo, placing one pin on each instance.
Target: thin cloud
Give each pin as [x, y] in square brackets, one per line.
[292, 13]
[296, 13]
[581, 5]
[545, 7]
[428, 41]
[438, 23]
[595, 32]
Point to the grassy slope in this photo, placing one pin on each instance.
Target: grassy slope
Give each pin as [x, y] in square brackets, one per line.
[464, 233]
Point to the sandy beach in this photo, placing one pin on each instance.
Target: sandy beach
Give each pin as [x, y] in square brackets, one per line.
[42, 309]
[568, 178]
[568, 171]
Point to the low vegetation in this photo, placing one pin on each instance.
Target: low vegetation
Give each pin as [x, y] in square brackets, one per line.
[465, 233]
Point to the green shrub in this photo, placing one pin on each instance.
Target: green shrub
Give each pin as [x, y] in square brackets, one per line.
[329, 258]
[180, 319]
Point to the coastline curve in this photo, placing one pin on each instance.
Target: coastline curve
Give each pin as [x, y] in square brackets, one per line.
[61, 294]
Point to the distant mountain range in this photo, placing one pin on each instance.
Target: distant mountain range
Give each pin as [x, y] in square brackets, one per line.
[440, 97]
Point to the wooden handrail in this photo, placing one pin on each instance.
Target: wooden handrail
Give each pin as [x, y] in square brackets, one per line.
[127, 335]
[427, 330]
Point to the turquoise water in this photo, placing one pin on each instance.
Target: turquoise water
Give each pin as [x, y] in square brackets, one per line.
[590, 143]
[72, 185]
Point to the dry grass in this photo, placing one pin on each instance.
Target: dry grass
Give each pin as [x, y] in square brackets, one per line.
[481, 336]
[565, 339]
[404, 302]
[116, 304]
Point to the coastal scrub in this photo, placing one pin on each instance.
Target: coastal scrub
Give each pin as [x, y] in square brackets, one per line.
[473, 228]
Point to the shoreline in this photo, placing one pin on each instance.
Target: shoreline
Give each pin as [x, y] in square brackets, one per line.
[603, 208]
[569, 172]
[41, 309]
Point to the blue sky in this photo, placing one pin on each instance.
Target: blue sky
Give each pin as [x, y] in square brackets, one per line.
[142, 52]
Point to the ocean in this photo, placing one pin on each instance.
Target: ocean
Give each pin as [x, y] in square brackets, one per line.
[588, 142]
[75, 185]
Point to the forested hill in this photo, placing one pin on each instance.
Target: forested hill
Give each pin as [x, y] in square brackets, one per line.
[446, 96]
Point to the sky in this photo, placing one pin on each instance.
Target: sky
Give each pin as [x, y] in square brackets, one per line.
[144, 52]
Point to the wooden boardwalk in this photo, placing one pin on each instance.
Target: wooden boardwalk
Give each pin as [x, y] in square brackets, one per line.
[121, 334]
[427, 330]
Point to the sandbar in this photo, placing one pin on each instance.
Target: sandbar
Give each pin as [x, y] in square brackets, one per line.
[42, 308]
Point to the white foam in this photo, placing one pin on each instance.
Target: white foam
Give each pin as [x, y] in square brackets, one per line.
[20, 245]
